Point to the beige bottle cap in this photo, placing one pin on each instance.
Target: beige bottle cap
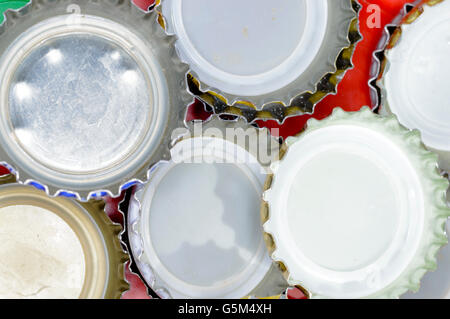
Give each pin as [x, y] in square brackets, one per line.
[57, 247]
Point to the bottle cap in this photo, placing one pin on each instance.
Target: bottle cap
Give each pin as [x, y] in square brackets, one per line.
[356, 208]
[89, 95]
[194, 228]
[57, 247]
[414, 75]
[261, 54]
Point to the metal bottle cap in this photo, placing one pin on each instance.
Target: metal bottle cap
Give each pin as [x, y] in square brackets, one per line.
[263, 55]
[414, 71]
[194, 229]
[356, 208]
[57, 247]
[90, 93]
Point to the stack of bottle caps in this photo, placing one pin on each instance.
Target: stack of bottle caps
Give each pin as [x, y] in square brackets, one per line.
[93, 99]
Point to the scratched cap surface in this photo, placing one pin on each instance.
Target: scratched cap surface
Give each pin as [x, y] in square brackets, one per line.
[90, 93]
[57, 247]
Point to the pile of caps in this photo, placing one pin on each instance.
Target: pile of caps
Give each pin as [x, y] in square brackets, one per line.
[93, 102]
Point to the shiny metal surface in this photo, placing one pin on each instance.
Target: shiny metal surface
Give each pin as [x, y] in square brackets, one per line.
[79, 103]
[89, 93]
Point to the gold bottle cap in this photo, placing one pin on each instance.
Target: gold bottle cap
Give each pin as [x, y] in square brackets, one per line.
[57, 247]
